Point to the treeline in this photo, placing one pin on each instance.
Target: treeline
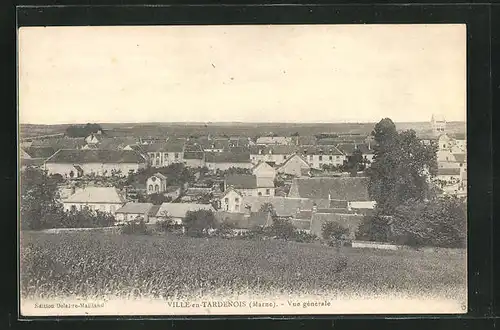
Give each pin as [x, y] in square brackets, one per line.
[76, 131]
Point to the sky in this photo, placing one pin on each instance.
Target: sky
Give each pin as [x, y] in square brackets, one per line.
[259, 73]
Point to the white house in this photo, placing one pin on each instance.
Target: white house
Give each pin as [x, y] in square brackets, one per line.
[162, 154]
[132, 211]
[317, 156]
[296, 165]
[77, 162]
[105, 199]
[92, 139]
[232, 201]
[156, 184]
[272, 154]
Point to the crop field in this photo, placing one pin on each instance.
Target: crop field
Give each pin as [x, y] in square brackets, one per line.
[100, 265]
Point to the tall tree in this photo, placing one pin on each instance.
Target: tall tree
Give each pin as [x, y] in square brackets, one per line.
[401, 167]
[39, 199]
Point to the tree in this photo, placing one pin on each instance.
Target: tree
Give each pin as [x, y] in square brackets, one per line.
[401, 167]
[376, 227]
[199, 223]
[39, 199]
[166, 223]
[268, 208]
[438, 222]
[333, 230]
[282, 229]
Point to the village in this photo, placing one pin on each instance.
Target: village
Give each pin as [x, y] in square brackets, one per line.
[308, 180]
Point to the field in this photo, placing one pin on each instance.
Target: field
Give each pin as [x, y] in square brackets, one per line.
[101, 265]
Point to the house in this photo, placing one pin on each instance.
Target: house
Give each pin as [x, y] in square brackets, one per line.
[232, 201]
[132, 211]
[348, 149]
[265, 175]
[295, 165]
[105, 199]
[225, 160]
[448, 176]
[34, 156]
[272, 154]
[178, 211]
[353, 190]
[250, 184]
[162, 154]
[75, 163]
[274, 140]
[244, 220]
[317, 156]
[156, 184]
[92, 139]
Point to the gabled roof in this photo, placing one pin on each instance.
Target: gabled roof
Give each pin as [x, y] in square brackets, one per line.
[339, 188]
[135, 208]
[153, 210]
[241, 181]
[231, 189]
[274, 140]
[60, 143]
[262, 164]
[97, 195]
[39, 152]
[349, 148]
[295, 156]
[23, 154]
[179, 210]
[227, 157]
[159, 176]
[72, 156]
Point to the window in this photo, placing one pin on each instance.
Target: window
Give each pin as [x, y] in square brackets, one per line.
[226, 200]
[330, 157]
[310, 157]
[236, 200]
[176, 155]
[268, 192]
[284, 156]
[157, 188]
[150, 187]
[320, 158]
[259, 193]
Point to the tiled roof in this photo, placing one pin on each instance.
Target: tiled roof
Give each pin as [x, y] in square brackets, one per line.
[284, 206]
[241, 181]
[72, 156]
[159, 176]
[193, 155]
[40, 152]
[96, 195]
[135, 208]
[227, 157]
[349, 148]
[60, 143]
[296, 156]
[179, 210]
[274, 140]
[153, 210]
[448, 171]
[339, 188]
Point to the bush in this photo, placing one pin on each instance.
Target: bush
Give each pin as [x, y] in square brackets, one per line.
[282, 229]
[136, 227]
[332, 230]
[167, 226]
[199, 223]
[376, 228]
[302, 236]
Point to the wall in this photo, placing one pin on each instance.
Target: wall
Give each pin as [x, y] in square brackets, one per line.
[194, 162]
[362, 205]
[162, 185]
[278, 159]
[263, 192]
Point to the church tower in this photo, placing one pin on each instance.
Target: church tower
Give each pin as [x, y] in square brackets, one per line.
[438, 124]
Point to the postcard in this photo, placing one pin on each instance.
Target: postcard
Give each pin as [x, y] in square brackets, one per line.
[242, 170]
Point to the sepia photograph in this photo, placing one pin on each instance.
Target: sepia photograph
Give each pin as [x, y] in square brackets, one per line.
[242, 170]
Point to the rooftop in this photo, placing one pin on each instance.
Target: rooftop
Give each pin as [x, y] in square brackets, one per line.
[179, 210]
[227, 157]
[96, 195]
[241, 181]
[338, 188]
[135, 208]
[73, 156]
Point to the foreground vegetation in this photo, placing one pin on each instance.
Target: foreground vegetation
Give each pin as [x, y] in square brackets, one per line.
[83, 264]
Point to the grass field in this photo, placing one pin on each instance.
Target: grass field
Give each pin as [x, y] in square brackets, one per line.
[97, 265]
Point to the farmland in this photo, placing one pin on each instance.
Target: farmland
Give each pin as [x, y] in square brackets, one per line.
[98, 265]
